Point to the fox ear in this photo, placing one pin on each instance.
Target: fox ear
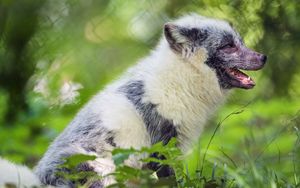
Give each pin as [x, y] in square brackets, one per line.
[184, 40]
[175, 37]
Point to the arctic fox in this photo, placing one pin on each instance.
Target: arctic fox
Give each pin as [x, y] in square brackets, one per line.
[170, 93]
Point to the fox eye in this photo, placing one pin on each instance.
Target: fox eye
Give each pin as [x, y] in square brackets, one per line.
[229, 48]
[229, 45]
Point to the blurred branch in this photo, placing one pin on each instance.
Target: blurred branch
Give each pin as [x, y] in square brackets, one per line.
[19, 25]
[280, 41]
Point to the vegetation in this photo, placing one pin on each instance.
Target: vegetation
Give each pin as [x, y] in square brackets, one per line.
[55, 55]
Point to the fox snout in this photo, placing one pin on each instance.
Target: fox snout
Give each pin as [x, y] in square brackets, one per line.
[252, 60]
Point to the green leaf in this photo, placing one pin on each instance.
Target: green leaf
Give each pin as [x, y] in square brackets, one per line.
[120, 155]
[74, 160]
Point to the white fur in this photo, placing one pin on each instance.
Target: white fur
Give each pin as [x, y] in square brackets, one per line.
[17, 175]
[121, 117]
[104, 167]
[197, 21]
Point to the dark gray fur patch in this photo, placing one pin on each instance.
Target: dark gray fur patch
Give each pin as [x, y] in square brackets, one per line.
[110, 139]
[94, 145]
[51, 178]
[92, 131]
[227, 39]
[87, 127]
[96, 184]
[85, 130]
[54, 178]
[158, 127]
[85, 167]
[82, 167]
[196, 36]
[161, 170]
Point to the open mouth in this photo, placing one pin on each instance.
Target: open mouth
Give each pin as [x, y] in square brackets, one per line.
[239, 79]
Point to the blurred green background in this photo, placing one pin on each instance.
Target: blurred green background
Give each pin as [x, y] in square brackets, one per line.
[55, 55]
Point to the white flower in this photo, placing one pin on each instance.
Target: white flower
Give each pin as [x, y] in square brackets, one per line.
[69, 92]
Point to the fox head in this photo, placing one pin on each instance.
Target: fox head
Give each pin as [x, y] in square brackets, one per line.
[224, 48]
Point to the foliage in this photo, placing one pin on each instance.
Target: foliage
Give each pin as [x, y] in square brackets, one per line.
[126, 175]
[71, 163]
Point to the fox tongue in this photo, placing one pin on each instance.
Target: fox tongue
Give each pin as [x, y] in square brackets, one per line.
[242, 77]
[246, 81]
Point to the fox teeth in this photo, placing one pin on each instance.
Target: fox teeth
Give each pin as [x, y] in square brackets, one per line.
[248, 78]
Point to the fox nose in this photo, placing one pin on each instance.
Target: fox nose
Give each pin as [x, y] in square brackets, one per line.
[264, 58]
